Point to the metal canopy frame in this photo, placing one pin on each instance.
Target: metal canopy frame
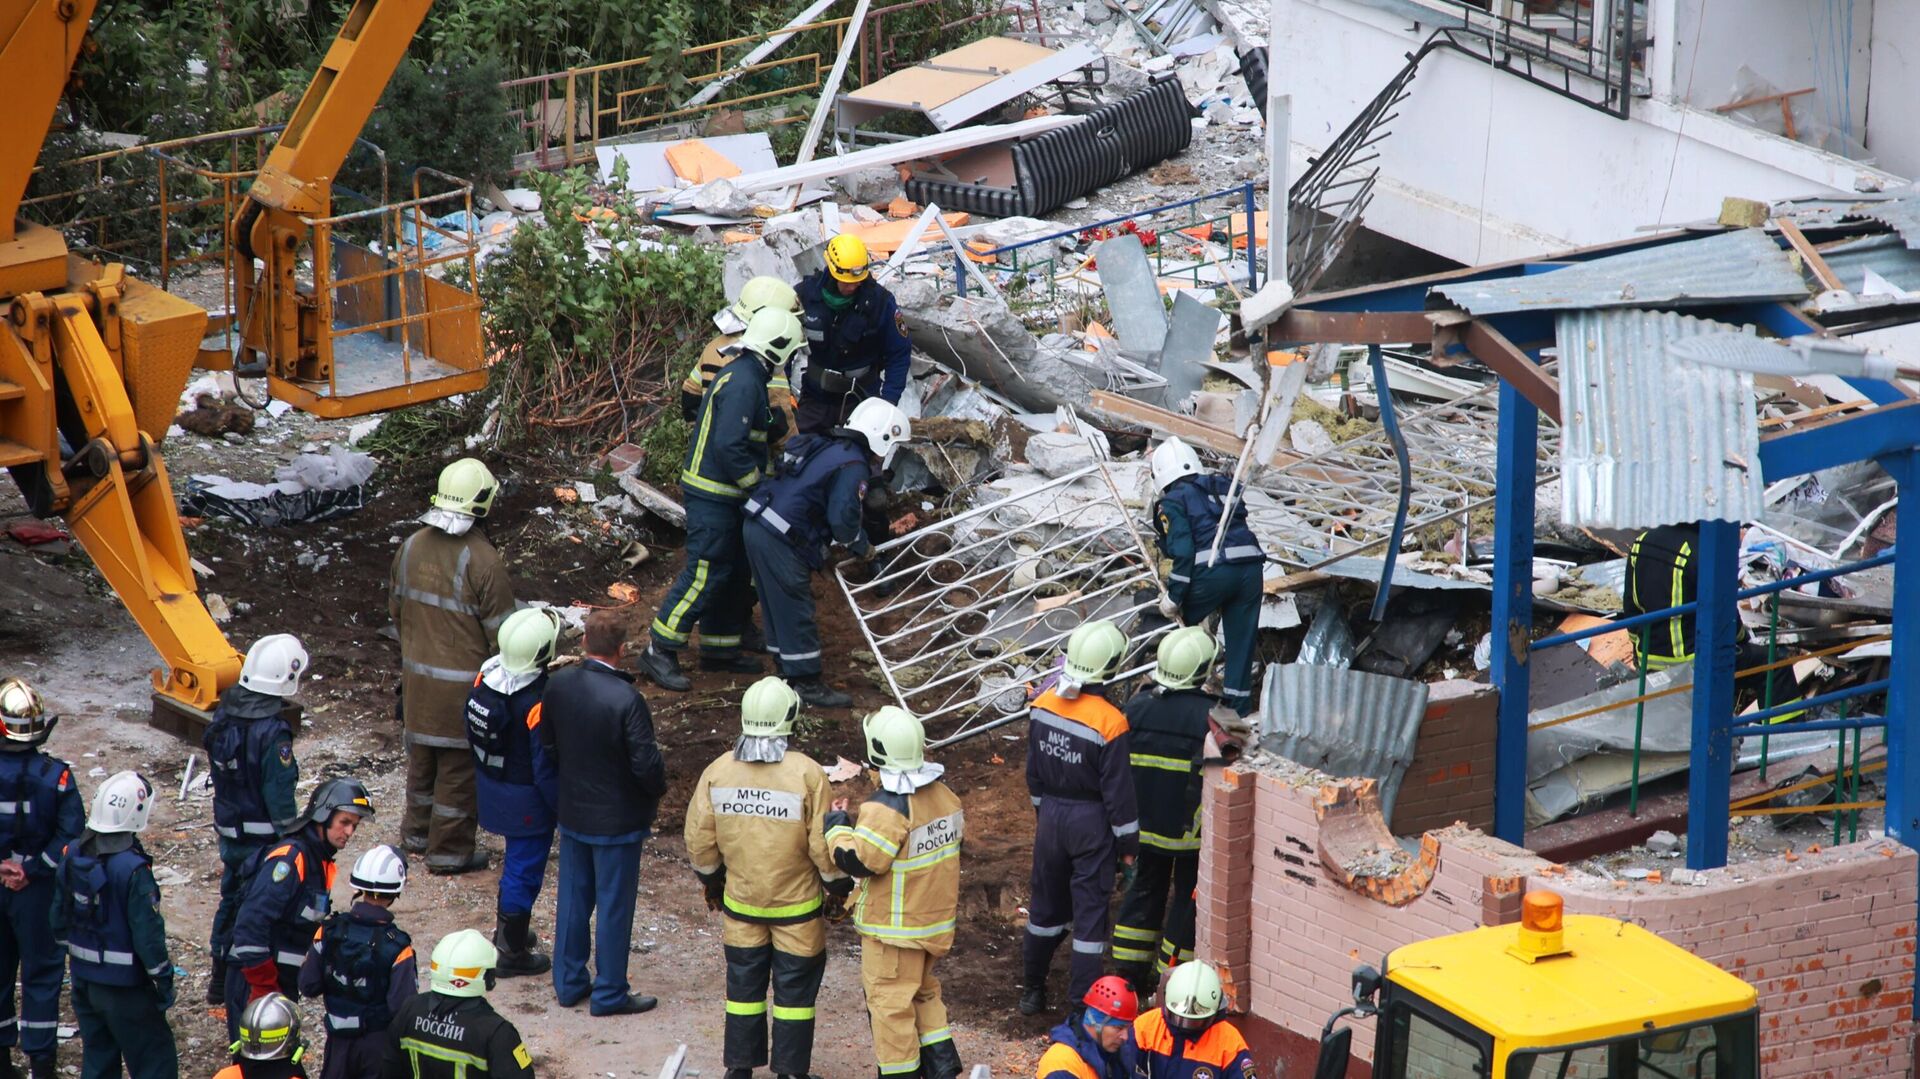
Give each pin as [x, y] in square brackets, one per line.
[1888, 432]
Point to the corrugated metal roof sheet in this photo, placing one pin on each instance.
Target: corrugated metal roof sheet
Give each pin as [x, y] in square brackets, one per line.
[1729, 266]
[1651, 441]
[1889, 256]
[1343, 722]
[1901, 215]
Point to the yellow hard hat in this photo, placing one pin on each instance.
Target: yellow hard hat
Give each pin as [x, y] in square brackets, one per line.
[765, 291]
[847, 258]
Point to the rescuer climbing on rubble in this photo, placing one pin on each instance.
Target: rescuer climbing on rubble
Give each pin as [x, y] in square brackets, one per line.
[448, 593]
[817, 500]
[249, 746]
[731, 321]
[756, 835]
[1089, 1045]
[904, 849]
[1169, 736]
[857, 347]
[726, 455]
[1209, 576]
[1082, 789]
[287, 894]
[41, 815]
[519, 788]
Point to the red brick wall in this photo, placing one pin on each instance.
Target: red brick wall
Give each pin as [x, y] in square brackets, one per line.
[1451, 777]
[1827, 939]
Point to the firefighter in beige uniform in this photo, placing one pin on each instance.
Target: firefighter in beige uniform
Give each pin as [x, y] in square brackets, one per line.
[761, 809]
[905, 852]
[449, 592]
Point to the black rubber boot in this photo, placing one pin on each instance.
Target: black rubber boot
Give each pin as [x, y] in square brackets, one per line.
[475, 861]
[44, 1066]
[1033, 999]
[216, 987]
[663, 668]
[818, 694]
[513, 936]
[7, 1069]
[941, 1060]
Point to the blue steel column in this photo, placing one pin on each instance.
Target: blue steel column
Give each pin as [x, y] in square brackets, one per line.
[1903, 695]
[1513, 607]
[1710, 768]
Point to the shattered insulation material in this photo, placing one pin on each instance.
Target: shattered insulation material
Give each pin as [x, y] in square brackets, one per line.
[965, 614]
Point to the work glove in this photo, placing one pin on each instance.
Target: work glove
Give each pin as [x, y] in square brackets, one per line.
[1123, 880]
[1169, 609]
[838, 888]
[262, 978]
[163, 991]
[716, 891]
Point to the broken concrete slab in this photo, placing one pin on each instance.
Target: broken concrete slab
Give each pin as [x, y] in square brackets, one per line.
[985, 341]
[873, 185]
[1188, 345]
[652, 499]
[1133, 293]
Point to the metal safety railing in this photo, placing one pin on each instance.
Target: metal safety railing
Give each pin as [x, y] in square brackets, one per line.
[1174, 252]
[566, 115]
[1772, 718]
[1586, 50]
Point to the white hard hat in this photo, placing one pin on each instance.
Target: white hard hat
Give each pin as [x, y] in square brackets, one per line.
[122, 804]
[882, 424]
[895, 739]
[381, 871]
[1193, 995]
[463, 964]
[768, 708]
[274, 665]
[1172, 460]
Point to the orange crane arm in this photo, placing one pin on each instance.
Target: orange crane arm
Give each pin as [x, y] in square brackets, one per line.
[39, 40]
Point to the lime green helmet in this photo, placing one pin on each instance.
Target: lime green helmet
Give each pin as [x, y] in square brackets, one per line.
[1094, 652]
[463, 964]
[768, 709]
[762, 292]
[895, 740]
[1193, 995]
[528, 639]
[773, 335]
[1185, 656]
[466, 486]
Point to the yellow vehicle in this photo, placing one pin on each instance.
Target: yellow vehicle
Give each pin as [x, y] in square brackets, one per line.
[1553, 997]
[92, 361]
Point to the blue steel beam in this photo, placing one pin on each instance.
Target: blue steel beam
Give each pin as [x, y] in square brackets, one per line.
[1513, 607]
[1880, 432]
[1710, 766]
[1903, 693]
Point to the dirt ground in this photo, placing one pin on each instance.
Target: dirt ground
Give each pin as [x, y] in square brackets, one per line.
[326, 583]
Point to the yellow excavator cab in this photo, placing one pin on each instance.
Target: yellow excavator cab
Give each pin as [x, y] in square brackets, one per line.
[1551, 997]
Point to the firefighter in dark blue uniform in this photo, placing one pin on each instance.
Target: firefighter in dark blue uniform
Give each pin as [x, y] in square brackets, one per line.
[1085, 816]
[794, 518]
[1169, 727]
[519, 790]
[286, 895]
[250, 749]
[40, 813]
[364, 966]
[726, 456]
[1186, 518]
[106, 914]
[856, 348]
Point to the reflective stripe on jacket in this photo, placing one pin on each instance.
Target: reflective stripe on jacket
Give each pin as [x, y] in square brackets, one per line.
[1186, 518]
[448, 595]
[764, 826]
[905, 849]
[727, 449]
[1169, 737]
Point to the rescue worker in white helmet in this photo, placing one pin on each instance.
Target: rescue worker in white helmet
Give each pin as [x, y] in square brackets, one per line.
[268, 1045]
[795, 517]
[106, 917]
[450, 1031]
[363, 965]
[249, 746]
[448, 593]
[1085, 816]
[1169, 729]
[1185, 1037]
[759, 292]
[1211, 573]
[287, 892]
[726, 457]
[760, 810]
[519, 789]
[904, 851]
[41, 816]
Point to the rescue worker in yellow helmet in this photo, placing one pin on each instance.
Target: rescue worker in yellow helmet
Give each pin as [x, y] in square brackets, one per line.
[856, 345]
[760, 810]
[448, 593]
[763, 291]
[726, 455]
[904, 850]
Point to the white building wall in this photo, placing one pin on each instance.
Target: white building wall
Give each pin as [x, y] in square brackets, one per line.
[1893, 99]
[1483, 166]
[1822, 45]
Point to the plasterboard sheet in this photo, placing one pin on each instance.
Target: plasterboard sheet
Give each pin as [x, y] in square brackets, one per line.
[942, 78]
[1746, 265]
[1139, 317]
[647, 168]
[1648, 440]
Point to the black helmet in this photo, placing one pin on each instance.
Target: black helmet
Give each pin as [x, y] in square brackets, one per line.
[335, 794]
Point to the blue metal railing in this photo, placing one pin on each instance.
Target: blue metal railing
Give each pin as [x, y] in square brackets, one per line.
[1153, 216]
